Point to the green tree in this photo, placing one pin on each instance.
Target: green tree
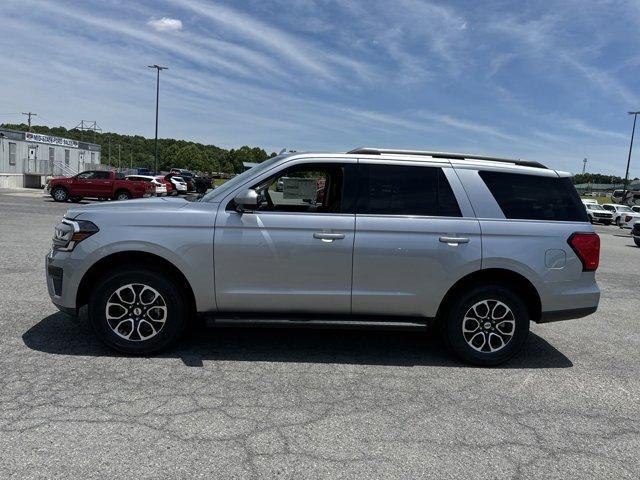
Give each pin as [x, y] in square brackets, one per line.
[139, 151]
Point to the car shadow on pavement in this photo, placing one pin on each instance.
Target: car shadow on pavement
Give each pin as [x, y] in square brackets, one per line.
[65, 335]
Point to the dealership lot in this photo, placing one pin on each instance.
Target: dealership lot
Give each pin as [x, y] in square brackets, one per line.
[240, 403]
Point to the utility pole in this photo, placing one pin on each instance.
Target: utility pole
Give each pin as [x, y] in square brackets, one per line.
[119, 165]
[88, 125]
[626, 175]
[158, 68]
[584, 165]
[29, 115]
[109, 150]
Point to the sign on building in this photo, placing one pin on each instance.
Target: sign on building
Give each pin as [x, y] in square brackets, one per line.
[37, 137]
[299, 188]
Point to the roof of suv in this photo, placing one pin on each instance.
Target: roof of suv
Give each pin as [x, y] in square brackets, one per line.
[451, 155]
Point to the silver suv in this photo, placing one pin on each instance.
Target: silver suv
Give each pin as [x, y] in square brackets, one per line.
[478, 246]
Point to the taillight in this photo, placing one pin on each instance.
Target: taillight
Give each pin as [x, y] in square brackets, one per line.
[628, 218]
[587, 248]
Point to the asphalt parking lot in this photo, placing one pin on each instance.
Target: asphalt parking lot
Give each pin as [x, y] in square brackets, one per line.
[282, 403]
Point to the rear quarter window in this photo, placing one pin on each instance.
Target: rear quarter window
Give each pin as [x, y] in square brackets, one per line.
[534, 197]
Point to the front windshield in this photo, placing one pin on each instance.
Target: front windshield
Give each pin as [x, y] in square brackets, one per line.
[217, 193]
[595, 207]
[625, 209]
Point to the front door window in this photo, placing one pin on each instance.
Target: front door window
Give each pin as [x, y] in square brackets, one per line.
[304, 189]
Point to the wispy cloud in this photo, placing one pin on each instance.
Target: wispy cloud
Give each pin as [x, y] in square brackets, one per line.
[545, 39]
[294, 49]
[166, 24]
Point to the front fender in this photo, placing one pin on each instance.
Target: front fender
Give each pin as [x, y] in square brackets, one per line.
[194, 260]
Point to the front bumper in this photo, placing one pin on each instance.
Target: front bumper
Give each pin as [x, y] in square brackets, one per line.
[62, 282]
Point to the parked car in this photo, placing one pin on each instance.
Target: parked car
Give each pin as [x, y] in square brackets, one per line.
[597, 214]
[635, 233]
[631, 198]
[159, 188]
[628, 220]
[479, 246]
[619, 213]
[203, 184]
[99, 184]
[588, 201]
[178, 184]
[167, 184]
[187, 176]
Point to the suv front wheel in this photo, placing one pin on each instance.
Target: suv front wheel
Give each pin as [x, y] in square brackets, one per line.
[487, 325]
[137, 310]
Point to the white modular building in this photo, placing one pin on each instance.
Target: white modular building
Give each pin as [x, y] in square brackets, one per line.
[27, 158]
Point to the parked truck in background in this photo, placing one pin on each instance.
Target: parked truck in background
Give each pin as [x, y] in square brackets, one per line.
[98, 184]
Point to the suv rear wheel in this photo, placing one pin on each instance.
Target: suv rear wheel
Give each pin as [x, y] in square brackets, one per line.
[137, 310]
[487, 325]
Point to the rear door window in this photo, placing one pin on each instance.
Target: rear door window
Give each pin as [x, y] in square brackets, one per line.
[405, 190]
[534, 197]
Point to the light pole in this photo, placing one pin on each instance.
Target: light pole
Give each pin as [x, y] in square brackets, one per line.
[584, 165]
[626, 175]
[158, 68]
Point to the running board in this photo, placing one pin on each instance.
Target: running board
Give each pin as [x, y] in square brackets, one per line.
[356, 322]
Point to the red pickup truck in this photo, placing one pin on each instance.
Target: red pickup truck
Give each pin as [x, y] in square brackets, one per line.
[97, 184]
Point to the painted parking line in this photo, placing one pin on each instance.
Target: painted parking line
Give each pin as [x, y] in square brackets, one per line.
[26, 194]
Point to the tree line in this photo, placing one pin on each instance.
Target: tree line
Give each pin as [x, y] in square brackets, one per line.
[597, 178]
[138, 151]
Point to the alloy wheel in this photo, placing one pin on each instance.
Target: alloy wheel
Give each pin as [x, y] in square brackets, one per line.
[488, 326]
[136, 312]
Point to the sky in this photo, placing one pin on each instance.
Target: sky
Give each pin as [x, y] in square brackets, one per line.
[549, 80]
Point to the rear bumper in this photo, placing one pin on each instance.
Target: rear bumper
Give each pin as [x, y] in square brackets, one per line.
[569, 314]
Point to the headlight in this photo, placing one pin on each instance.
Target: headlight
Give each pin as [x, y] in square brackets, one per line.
[68, 233]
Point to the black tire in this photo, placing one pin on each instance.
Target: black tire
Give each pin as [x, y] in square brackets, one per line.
[637, 241]
[618, 221]
[164, 334]
[606, 222]
[453, 326]
[122, 195]
[60, 194]
[590, 219]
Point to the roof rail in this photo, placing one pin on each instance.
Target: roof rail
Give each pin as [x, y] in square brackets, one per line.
[457, 156]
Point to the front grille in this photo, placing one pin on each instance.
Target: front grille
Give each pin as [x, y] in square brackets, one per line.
[56, 274]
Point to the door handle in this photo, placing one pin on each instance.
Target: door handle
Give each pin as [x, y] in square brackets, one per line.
[328, 236]
[454, 240]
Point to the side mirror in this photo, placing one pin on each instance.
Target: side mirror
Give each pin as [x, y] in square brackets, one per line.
[246, 200]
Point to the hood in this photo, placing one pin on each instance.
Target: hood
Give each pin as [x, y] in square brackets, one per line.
[138, 206]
